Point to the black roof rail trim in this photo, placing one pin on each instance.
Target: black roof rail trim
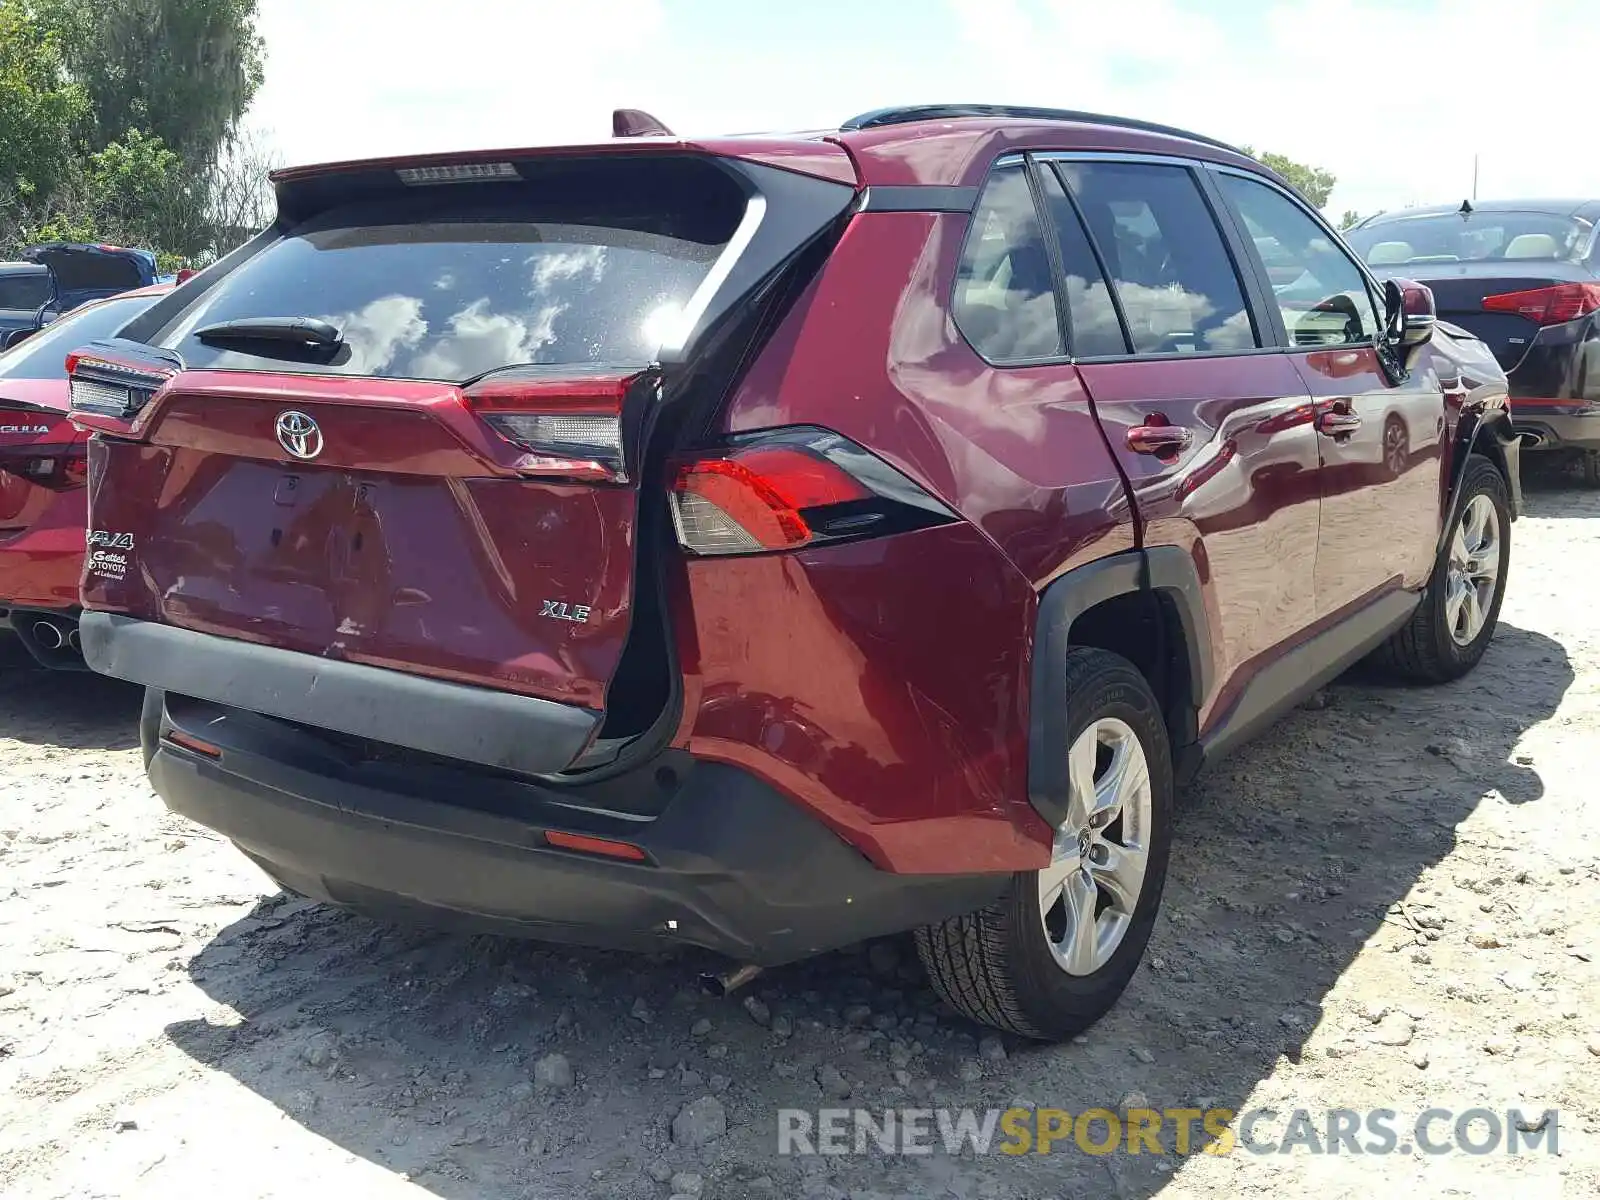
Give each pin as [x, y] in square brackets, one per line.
[879, 117]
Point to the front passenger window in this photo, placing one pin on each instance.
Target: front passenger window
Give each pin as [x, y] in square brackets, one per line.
[1005, 301]
[1321, 293]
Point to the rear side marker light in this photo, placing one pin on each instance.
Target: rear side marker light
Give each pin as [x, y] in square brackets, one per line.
[788, 488]
[1548, 305]
[584, 844]
[195, 745]
[458, 173]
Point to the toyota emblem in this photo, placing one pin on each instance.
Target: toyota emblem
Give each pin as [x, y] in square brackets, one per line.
[299, 434]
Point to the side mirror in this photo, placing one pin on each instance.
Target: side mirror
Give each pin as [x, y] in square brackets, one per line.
[184, 275]
[1411, 316]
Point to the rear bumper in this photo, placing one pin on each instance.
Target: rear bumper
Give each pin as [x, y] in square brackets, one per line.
[477, 725]
[733, 866]
[1556, 425]
[41, 567]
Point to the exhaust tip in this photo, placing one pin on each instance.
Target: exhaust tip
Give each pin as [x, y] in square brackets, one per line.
[49, 635]
[72, 639]
[1529, 438]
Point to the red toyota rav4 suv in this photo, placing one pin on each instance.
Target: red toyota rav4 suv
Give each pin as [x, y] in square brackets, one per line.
[765, 543]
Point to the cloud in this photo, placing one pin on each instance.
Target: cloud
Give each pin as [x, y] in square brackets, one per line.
[560, 266]
[1394, 96]
[480, 340]
[379, 331]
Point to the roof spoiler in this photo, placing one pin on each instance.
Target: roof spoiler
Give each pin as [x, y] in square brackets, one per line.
[635, 122]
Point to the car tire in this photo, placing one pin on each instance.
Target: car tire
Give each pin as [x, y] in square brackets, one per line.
[1455, 622]
[1022, 964]
[1589, 468]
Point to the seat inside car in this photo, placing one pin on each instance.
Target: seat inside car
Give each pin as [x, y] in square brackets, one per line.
[1532, 245]
[1390, 252]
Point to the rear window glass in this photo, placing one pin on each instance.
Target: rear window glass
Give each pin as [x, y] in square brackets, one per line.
[1476, 237]
[44, 355]
[446, 285]
[24, 291]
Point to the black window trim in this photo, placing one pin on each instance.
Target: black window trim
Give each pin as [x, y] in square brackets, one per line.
[1052, 251]
[1041, 164]
[1244, 270]
[1259, 268]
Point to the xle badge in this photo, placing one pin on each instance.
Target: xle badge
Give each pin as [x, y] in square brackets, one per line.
[562, 611]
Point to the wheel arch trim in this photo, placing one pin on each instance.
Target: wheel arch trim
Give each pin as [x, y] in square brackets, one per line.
[1490, 434]
[1165, 571]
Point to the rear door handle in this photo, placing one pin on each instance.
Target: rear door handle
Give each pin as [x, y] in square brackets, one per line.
[1337, 424]
[1161, 440]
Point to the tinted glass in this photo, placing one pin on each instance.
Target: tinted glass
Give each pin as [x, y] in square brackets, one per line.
[1005, 298]
[44, 355]
[1166, 257]
[1094, 327]
[438, 286]
[1477, 237]
[24, 291]
[1320, 291]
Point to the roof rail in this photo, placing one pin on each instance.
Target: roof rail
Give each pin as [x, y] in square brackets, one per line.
[879, 117]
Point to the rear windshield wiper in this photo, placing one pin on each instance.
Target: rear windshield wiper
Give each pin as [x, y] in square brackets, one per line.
[299, 331]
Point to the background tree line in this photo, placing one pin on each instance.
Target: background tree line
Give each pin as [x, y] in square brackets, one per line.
[119, 122]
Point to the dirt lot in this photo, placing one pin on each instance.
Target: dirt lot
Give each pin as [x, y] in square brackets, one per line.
[1392, 900]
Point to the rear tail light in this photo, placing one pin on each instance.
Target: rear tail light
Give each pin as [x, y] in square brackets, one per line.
[1555, 305]
[105, 383]
[571, 428]
[789, 488]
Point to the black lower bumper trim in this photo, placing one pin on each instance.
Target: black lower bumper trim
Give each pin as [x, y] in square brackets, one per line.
[734, 866]
[477, 725]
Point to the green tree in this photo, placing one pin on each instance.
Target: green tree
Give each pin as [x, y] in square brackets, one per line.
[182, 70]
[1315, 184]
[41, 110]
[1352, 218]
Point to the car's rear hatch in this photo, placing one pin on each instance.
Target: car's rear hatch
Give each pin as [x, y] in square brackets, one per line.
[452, 486]
[87, 272]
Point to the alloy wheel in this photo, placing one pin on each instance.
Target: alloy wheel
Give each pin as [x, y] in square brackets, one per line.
[1088, 893]
[1474, 571]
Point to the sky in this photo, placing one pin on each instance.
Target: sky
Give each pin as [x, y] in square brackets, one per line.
[1393, 96]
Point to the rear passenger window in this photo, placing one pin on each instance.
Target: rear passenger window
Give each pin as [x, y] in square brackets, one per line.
[1166, 257]
[1320, 291]
[1093, 329]
[1005, 299]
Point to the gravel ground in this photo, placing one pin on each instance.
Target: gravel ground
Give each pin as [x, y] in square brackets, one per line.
[1390, 900]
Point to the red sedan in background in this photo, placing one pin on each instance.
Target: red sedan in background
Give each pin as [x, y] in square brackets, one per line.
[43, 469]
